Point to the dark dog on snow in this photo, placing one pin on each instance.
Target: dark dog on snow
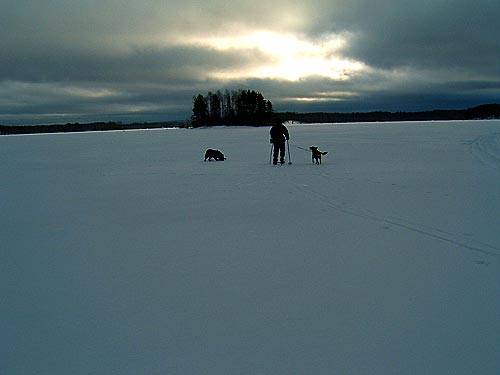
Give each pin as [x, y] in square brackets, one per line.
[316, 154]
[214, 154]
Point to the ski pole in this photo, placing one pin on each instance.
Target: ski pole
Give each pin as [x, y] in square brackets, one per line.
[289, 157]
[271, 152]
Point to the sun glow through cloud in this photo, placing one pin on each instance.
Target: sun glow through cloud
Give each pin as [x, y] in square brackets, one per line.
[287, 56]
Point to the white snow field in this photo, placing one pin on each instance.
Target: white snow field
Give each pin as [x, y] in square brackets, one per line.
[125, 253]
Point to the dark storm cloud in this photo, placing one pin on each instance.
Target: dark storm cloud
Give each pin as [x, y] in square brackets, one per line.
[167, 64]
[124, 58]
[424, 34]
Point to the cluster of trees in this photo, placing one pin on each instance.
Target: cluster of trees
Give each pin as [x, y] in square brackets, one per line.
[242, 107]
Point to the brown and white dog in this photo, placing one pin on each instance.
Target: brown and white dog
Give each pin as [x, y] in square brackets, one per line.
[214, 154]
[316, 154]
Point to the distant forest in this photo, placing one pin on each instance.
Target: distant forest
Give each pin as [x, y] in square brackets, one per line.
[242, 107]
[251, 108]
[88, 127]
[482, 112]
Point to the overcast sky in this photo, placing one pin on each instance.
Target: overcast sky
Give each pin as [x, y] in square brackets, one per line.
[68, 60]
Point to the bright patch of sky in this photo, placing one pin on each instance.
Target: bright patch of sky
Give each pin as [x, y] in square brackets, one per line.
[290, 57]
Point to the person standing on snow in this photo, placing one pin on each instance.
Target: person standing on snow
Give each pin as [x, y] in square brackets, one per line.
[279, 135]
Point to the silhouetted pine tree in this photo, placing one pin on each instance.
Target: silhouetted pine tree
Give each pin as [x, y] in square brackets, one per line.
[200, 111]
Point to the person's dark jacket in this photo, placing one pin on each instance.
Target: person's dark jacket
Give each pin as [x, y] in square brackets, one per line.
[279, 133]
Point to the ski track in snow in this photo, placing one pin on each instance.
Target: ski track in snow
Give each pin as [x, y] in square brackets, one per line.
[425, 230]
[487, 149]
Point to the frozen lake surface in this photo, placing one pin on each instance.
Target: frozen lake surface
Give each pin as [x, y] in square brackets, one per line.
[125, 253]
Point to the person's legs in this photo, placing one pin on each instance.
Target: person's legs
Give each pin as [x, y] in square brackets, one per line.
[282, 152]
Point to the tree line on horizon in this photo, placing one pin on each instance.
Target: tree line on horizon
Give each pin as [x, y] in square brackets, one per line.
[484, 111]
[480, 112]
[237, 107]
[87, 127]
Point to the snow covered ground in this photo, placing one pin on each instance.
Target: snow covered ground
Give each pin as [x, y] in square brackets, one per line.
[125, 253]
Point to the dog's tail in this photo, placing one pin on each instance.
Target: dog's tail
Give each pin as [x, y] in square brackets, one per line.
[324, 153]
